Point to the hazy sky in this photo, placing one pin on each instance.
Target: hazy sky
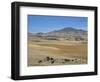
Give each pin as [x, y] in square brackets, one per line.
[40, 23]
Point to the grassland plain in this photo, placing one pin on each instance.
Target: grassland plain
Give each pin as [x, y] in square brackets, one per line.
[52, 52]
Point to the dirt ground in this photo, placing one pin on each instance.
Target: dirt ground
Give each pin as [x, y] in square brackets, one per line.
[48, 53]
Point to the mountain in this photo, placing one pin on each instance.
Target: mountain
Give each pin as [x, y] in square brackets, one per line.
[67, 33]
[70, 29]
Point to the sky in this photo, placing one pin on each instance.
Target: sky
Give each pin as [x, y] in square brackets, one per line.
[40, 23]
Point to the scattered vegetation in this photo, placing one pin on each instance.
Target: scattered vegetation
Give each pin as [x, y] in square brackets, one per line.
[40, 61]
[52, 60]
[67, 60]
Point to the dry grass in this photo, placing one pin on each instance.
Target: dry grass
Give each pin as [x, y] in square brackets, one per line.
[60, 52]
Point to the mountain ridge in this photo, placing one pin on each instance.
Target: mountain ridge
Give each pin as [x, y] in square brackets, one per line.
[67, 33]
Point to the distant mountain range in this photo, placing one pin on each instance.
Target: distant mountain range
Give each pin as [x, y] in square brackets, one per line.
[67, 33]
